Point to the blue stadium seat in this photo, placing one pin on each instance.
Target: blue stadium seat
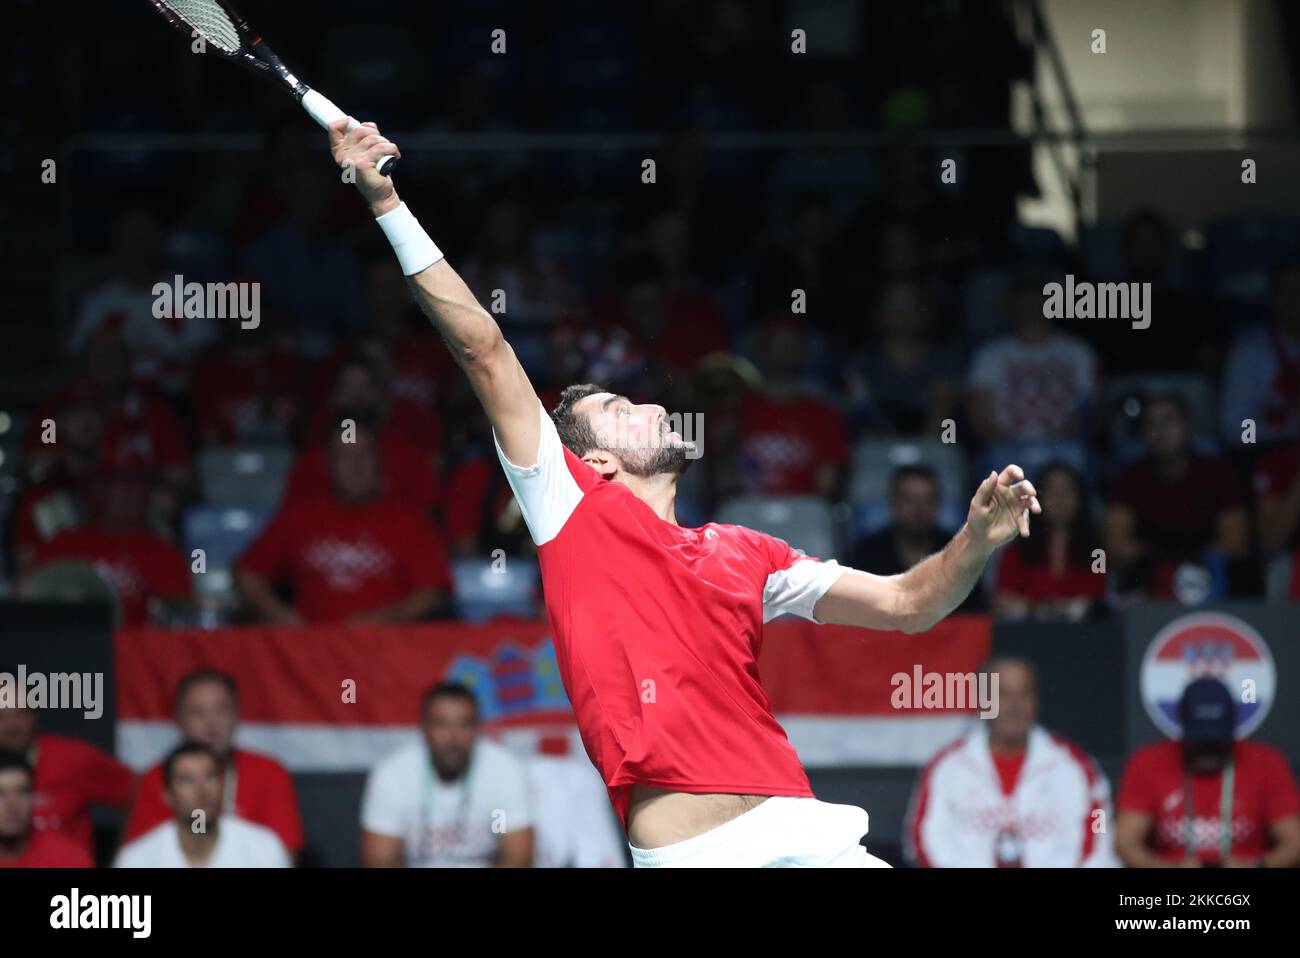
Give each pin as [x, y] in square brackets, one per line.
[487, 588]
[251, 476]
[223, 533]
[805, 522]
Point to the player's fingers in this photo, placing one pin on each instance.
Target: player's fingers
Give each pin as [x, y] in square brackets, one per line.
[371, 124]
[1034, 507]
[338, 131]
[1011, 474]
[1024, 524]
[1024, 489]
[985, 491]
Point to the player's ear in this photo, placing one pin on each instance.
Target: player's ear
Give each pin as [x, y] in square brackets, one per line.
[602, 462]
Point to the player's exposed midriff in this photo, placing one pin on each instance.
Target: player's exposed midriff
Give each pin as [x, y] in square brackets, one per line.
[658, 817]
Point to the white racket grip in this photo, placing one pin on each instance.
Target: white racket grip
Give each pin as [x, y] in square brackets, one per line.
[322, 109]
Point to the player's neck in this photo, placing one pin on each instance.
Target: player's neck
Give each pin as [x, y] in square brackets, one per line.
[658, 492]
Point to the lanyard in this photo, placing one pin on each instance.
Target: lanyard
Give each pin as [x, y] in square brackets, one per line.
[1225, 814]
[462, 806]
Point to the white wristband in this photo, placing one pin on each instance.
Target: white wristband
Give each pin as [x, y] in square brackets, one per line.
[415, 251]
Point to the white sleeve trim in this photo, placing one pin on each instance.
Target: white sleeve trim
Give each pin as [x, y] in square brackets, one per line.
[546, 491]
[796, 590]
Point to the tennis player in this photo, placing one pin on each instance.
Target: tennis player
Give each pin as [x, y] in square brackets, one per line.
[657, 628]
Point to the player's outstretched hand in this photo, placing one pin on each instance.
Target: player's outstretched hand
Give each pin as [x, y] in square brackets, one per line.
[363, 147]
[1000, 509]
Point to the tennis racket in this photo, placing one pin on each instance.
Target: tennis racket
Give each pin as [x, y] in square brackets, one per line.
[228, 34]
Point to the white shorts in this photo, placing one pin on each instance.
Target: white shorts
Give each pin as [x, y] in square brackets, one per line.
[782, 832]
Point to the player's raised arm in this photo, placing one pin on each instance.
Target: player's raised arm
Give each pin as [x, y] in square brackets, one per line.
[469, 330]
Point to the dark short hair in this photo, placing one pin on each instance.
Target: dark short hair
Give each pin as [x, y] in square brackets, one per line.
[1174, 398]
[179, 752]
[916, 470]
[447, 690]
[15, 760]
[199, 677]
[575, 431]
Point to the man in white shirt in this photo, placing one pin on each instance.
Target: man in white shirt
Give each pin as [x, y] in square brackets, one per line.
[200, 836]
[453, 799]
[1010, 794]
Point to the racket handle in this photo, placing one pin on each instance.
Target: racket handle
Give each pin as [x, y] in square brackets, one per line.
[324, 112]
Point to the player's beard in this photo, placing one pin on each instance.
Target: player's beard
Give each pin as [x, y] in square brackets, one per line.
[658, 460]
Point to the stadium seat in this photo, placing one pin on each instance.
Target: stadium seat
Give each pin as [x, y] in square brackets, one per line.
[488, 588]
[805, 522]
[1277, 578]
[223, 533]
[246, 476]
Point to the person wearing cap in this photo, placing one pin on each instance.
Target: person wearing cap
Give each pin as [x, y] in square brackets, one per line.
[1210, 799]
[119, 542]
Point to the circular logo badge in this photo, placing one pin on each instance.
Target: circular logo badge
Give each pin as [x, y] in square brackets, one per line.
[1214, 645]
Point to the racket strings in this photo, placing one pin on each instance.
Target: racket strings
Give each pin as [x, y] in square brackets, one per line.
[208, 20]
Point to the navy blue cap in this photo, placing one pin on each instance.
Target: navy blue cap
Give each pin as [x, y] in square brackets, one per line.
[1207, 711]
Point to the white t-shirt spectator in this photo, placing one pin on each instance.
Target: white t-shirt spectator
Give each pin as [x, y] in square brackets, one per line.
[448, 824]
[1261, 382]
[240, 844]
[1038, 389]
[576, 827]
[161, 349]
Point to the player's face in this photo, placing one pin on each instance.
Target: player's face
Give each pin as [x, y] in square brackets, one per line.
[195, 786]
[17, 729]
[209, 715]
[1017, 703]
[15, 803]
[450, 725]
[639, 435]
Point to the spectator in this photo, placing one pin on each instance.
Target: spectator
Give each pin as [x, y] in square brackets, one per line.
[1277, 499]
[535, 287]
[55, 503]
[1035, 383]
[1050, 575]
[904, 382]
[69, 776]
[792, 441]
[354, 555]
[142, 567]
[248, 388]
[914, 532]
[124, 305]
[258, 788]
[1173, 506]
[200, 833]
[362, 393]
[308, 264]
[1010, 794]
[135, 421]
[453, 799]
[1208, 799]
[1261, 381]
[1183, 337]
[22, 845]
